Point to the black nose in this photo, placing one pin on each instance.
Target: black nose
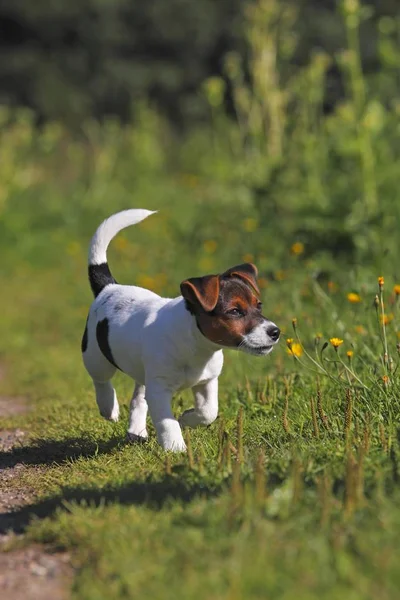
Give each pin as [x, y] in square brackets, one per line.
[274, 332]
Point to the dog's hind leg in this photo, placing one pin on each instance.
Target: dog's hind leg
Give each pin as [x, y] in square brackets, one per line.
[206, 405]
[101, 371]
[137, 431]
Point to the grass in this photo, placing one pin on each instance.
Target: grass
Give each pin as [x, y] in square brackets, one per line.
[293, 492]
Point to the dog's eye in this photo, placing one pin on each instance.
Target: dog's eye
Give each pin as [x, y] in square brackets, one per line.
[259, 305]
[235, 312]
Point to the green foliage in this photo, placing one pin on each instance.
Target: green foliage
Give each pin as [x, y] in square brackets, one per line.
[292, 493]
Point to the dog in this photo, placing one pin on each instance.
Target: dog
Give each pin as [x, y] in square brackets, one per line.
[167, 344]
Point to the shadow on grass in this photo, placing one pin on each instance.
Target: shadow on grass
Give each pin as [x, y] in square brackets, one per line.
[152, 494]
[45, 452]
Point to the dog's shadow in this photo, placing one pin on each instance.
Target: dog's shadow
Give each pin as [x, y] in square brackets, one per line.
[48, 451]
[154, 494]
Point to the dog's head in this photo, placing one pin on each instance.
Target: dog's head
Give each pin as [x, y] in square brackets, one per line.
[228, 310]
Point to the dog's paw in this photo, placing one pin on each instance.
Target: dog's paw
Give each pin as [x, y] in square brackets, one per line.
[174, 446]
[169, 436]
[134, 438]
[113, 416]
[191, 418]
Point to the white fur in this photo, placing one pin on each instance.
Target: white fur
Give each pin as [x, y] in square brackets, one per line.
[157, 342]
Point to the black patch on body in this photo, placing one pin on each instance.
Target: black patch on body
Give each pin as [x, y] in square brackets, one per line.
[99, 277]
[84, 343]
[102, 340]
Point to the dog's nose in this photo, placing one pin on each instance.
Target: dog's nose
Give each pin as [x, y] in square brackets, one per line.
[274, 332]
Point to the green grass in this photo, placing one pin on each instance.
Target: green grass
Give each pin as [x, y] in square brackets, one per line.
[304, 513]
[293, 492]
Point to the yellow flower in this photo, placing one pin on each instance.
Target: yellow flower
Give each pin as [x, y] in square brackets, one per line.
[336, 342]
[250, 224]
[289, 342]
[396, 290]
[146, 281]
[349, 354]
[381, 281]
[360, 329]
[386, 319]
[297, 248]
[295, 349]
[210, 246]
[385, 379]
[206, 263]
[353, 298]
[294, 323]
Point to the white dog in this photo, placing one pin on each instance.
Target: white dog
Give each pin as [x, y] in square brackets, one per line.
[166, 344]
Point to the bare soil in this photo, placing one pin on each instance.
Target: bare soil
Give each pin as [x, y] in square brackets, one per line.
[26, 573]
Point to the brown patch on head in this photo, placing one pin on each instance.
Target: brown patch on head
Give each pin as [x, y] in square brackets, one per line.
[235, 314]
[247, 272]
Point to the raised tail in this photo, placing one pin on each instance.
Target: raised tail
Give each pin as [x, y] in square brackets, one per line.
[99, 272]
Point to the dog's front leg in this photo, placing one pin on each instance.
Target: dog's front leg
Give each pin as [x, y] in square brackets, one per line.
[168, 430]
[206, 405]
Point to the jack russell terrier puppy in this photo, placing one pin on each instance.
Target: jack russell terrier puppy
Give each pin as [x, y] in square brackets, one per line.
[166, 344]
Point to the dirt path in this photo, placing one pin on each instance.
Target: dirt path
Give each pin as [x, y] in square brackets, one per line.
[26, 573]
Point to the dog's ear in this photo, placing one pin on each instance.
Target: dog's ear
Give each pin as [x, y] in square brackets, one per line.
[247, 272]
[201, 290]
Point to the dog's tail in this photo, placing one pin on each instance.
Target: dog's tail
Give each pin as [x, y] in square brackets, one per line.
[99, 273]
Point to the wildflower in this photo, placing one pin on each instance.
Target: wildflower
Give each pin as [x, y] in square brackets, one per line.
[353, 298]
[336, 342]
[385, 379]
[317, 338]
[146, 281]
[349, 354]
[295, 349]
[381, 281]
[289, 342]
[386, 319]
[396, 290]
[297, 248]
[206, 263]
[250, 224]
[360, 329]
[210, 246]
[294, 323]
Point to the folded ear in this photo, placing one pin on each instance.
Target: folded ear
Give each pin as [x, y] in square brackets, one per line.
[201, 290]
[247, 272]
